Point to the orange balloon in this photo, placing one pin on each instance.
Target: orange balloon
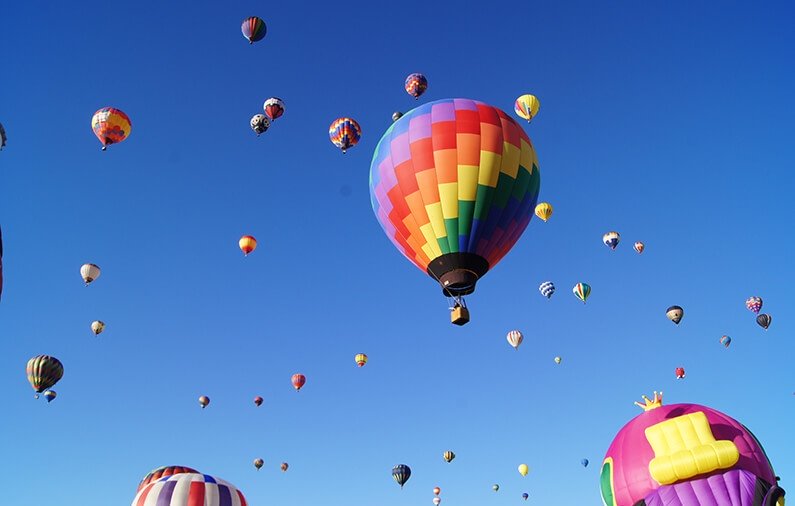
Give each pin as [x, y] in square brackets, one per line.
[247, 244]
[298, 381]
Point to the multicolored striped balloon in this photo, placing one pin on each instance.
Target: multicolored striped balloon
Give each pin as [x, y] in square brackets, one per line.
[345, 133]
[454, 184]
[526, 107]
[162, 472]
[189, 489]
[253, 29]
[44, 372]
[582, 291]
[754, 304]
[111, 126]
[416, 84]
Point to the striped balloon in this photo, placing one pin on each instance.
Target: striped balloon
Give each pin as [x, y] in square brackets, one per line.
[547, 288]
[582, 291]
[416, 84]
[526, 107]
[726, 341]
[253, 29]
[189, 489]
[111, 126]
[162, 472]
[454, 184]
[754, 304]
[345, 133]
[515, 338]
[44, 372]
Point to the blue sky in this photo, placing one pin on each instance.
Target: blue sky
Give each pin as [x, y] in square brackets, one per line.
[671, 124]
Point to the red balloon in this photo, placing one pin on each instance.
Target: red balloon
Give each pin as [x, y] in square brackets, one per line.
[298, 381]
[680, 373]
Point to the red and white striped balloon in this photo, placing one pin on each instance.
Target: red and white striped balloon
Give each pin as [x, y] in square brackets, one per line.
[515, 338]
[189, 489]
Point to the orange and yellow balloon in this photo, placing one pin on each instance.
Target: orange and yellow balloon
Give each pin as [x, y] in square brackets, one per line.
[544, 210]
[111, 126]
[247, 244]
[361, 359]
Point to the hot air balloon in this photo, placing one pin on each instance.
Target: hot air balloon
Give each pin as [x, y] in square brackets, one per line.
[274, 108]
[253, 29]
[3, 137]
[680, 372]
[526, 107]
[437, 491]
[448, 456]
[50, 395]
[189, 489]
[639, 247]
[111, 126]
[764, 320]
[43, 372]
[675, 314]
[547, 288]
[514, 338]
[523, 469]
[97, 327]
[204, 401]
[247, 244]
[396, 115]
[298, 381]
[754, 304]
[437, 500]
[584, 462]
[162, 472]
[544, 210]
[558, 360]
[90, 273]
[416, 84]
[726, 341]
[258, 463]
[360, 359]
[611, 239]
[260, 124]
[284, 466]
[454, 184]
[582, 291]
[258, 401]
[344, 133]
[495, 487]
[401, 474]
[525, 496]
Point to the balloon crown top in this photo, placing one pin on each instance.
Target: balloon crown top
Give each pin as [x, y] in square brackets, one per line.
[650, 404]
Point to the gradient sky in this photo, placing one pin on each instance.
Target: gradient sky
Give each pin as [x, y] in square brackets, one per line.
[671, 124]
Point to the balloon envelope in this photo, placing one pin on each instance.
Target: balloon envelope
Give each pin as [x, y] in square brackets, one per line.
[162, 472]
[258, 400]
[90, 272]
[523, 469]
[204, 401]
[544, 210]
[111, 126]
[97, 327]
[247, 244]
[582, 291]
[754, 304]
[253, 29]
[344, 133]
[416, 84]
[526, 107]
[189, 489]
[44, 372]
[675, 314]
[298, 381]
[401, 474]
[515, 338]
[50, 395]
[764, 320]
[611, 239]
[639, 246]
[360, 359]
[260, 124]
[274, 107]
[453, 185]
[547, 288]
[448, 456]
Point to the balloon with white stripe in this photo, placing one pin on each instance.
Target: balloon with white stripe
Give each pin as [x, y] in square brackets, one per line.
[188, 489]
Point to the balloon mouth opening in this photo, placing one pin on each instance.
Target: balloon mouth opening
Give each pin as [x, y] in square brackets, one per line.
[458, 273]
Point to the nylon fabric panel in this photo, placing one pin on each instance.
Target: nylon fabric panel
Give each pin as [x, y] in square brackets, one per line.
[167, 493]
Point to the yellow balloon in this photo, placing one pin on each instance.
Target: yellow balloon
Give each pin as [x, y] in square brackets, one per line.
[526, 107]
[523, 469]
[544, 210]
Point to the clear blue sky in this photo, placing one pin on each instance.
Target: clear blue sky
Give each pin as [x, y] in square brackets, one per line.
[671, 124]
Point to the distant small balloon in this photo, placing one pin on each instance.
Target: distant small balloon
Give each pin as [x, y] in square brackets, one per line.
[97, 327]
[544, 210]
[260, 124]
[639, 247]
[437, 491]
[523, 469]
[360, 359]
[298, 381]
[582, 291]
[396, 115]
[401, 474]
[754, 304]
[448, 456]
[680, 372]
[764, 320]
[675, 314]
[584, 462]
[90, 272]
[495, 487]
[437, 500]
[258, 463]
[611, 239]
[50, 395]
[525, 496]
[558, 360]
[547, 288]
[258, 400]
[204, 401]
[284, 466]
[416, 84]
[515, 338]
[247, 244]
[726, 341]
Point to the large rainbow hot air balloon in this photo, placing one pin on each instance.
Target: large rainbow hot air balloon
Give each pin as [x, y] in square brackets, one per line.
[687, 454]
[111, 126]
[454, 184]
[189, 489]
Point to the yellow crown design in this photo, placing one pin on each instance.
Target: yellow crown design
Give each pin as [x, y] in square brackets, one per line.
[651, 403]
